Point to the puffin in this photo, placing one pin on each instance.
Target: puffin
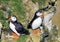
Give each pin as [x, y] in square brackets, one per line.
[17, 28]
[36, 22]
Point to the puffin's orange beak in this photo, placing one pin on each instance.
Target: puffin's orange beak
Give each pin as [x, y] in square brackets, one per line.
[15, 35]
[9, 19]
[42, 15]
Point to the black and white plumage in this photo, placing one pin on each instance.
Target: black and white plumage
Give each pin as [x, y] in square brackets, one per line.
[36, 21]
[17, 27]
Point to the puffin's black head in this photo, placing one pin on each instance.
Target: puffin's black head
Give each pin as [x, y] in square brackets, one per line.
[39, 13]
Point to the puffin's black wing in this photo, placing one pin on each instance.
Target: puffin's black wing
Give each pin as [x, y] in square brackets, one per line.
[20, 28]
[29, 25]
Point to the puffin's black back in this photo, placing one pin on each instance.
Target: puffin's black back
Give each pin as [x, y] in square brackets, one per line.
[20, 29]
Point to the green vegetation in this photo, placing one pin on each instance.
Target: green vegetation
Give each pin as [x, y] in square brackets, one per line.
[3, 19]
[23, 38]
[16, 8]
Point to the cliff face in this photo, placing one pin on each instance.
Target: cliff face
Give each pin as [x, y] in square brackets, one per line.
[56, 18]
[24, 10]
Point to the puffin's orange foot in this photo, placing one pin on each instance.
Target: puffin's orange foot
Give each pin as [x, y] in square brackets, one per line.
[15, 36]
[36, 31]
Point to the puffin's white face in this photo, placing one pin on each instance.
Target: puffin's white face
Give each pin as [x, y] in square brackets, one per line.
[39, 14]
[13, 18]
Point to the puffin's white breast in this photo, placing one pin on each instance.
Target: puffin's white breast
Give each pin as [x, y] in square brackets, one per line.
[36, 23]
[12, 26]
